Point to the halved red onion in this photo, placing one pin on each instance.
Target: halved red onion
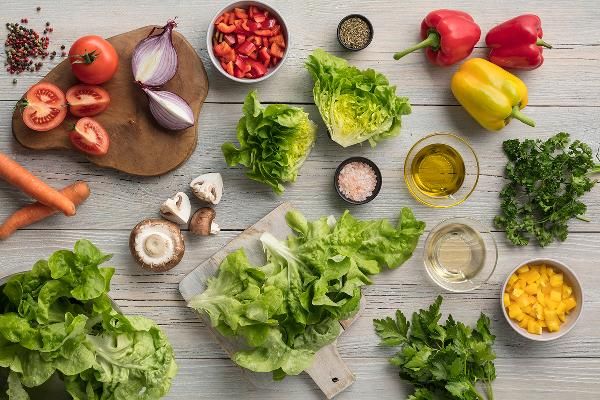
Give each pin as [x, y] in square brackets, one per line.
[169, 110]
[154, 60]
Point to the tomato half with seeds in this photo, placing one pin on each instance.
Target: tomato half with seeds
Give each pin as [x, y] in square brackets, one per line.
[87, 100]
[93, 59]
[44, 107]
[90, 137]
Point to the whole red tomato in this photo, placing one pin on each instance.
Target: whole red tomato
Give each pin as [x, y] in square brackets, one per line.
[93, 60]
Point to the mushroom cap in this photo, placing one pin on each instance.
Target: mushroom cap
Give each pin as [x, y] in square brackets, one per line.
[202, 220]
[156, 244]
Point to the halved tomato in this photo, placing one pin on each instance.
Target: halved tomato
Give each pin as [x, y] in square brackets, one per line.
[87, 100]
[90, 137]
[44, 107]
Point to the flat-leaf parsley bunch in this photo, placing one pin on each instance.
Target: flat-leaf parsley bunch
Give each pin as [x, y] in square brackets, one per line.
[546, 180]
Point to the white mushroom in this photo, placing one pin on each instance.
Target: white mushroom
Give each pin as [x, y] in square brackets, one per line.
[208, 187]
[177, 209]
[156, 244]
[202, 222]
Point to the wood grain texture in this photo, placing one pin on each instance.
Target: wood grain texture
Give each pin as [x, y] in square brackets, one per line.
[138, 145]
[563, 97]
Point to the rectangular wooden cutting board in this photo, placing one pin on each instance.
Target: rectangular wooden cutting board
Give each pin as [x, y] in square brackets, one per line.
[328, 370]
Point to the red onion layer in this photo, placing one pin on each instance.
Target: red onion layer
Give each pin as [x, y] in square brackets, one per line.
[169, 110]
[154, 61]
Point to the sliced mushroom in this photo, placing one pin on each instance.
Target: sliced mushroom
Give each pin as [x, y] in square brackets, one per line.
[177, 209]
[202, 222]
[208, 187]
[157, 245]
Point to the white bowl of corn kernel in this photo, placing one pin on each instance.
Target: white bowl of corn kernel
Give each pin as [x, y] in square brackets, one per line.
[542, 299]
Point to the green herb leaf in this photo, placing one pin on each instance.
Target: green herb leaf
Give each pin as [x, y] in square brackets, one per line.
[441, 361]
[546, 180]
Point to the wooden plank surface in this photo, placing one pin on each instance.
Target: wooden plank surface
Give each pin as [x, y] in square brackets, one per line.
[563, 96]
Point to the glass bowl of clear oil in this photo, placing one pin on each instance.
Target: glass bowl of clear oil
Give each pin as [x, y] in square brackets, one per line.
[460, 254]
[441, 170]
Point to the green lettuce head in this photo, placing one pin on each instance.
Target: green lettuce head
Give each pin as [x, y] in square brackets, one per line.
[355, 105]
[274, 142]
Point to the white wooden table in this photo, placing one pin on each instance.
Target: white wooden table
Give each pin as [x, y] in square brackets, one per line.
[564, 96]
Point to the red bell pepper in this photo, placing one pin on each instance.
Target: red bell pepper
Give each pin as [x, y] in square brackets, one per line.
[448, 36]
[517, 43]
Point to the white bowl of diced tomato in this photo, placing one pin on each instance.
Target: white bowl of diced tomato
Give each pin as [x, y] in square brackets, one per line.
[248, 41]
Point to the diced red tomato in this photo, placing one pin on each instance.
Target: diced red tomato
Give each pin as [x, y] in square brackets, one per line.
[276, 51]
[259, 17]
[263, 32]
[252, 43]
[279, 40]
[229, 68]
[264, 55]
[240, 13]
[230, 38]
[222, 27]
[246, 48]
[258, 68]
[270, 23]
[242, 64]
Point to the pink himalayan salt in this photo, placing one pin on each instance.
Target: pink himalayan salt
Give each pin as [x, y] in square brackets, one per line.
[357, 181]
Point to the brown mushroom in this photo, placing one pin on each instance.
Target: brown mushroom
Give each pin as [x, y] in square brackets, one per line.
[202, 222]
[156, 245]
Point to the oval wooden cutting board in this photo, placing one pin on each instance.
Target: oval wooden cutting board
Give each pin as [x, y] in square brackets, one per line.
[138, 145]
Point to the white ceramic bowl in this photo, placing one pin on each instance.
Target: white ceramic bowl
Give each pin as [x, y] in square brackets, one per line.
[244, 4]
[571, 319]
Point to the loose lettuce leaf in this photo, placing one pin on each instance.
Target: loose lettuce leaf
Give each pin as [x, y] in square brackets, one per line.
[58, 318]
[274, 142]
[289, 308]
[355, 105]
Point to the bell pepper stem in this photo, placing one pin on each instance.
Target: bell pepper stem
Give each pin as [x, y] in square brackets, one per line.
[433, 40]
[540, 42]
[516, 113]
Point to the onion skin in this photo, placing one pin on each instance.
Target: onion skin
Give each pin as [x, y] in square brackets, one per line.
[169, 110]
[154, 61]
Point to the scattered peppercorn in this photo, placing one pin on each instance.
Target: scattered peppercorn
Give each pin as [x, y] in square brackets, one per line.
[38, 9]
[14, 81]
[21, 46]
[355, 33]
[62, 47]
[47, 23]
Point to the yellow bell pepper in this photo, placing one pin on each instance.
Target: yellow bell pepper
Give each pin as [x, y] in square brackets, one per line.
[490, 94]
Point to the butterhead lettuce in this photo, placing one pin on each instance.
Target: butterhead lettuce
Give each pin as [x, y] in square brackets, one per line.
[355, 105]
[274, 142]
[289, 308]
[58, 318]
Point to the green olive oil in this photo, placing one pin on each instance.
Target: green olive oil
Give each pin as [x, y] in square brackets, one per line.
[438, 170]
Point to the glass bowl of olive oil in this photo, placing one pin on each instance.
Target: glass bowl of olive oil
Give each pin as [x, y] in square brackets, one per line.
[441, 170]
[460, 254]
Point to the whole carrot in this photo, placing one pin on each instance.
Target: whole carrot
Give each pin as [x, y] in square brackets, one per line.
[13, 173]
[77, 193]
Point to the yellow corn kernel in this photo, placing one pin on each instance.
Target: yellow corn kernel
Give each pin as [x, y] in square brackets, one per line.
[570, 303]
[541, 297]
[556, 280]
[553, 326]
[530, 276]
[555, 295]
[523, 323]
[534, 327]
[506, 300]
[531, 288]
[523, 269]
[514, 311]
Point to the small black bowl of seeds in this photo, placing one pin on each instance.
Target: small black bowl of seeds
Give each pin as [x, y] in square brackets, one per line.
[357, 180]
[355, 32]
